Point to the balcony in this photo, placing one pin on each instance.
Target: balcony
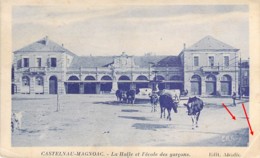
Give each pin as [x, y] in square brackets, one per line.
[35, 70]
[210, 69]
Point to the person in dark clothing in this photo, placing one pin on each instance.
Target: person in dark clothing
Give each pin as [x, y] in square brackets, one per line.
[234, 98]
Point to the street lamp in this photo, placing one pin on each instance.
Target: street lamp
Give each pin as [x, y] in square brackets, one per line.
[237, 89]
[155, 82]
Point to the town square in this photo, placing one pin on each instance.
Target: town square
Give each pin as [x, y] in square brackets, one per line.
[130, 75]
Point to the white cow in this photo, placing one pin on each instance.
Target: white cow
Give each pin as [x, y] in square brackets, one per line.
[175, 93]
[145, 91]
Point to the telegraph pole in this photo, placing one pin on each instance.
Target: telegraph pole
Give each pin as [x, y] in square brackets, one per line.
[132, 84]
[240, 78]
[236, 73]
[59, 81]
[58, 102]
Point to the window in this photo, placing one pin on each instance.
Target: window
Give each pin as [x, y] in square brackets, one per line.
[53, 62]
[246, 73]
[195, 61]
[38, 62]
[226, 60]
[211, 60]
[19, 63]
[25, 62]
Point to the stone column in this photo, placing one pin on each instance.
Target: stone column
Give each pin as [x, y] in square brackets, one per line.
[218, 86]
[133, 85]
[18, 85]
[187, 83]
[81, 88]
[98, 88]
[114, 86]
[150, 85]
[114, 80]
[32, 85]
[45, 84]
[66, 88]
[203, 86]
[167, 85]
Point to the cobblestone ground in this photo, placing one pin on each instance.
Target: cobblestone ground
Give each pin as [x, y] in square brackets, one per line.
[100, 120]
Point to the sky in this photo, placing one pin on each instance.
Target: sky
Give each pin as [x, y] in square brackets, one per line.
[134, 29]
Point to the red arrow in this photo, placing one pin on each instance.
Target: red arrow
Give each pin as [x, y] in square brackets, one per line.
[233, 117]
[251, 131]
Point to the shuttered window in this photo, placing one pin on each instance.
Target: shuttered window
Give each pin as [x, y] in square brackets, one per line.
[211, 60]
[226, 60]
[196, 61]
[53, 62]
[25, 62]
[38, 62]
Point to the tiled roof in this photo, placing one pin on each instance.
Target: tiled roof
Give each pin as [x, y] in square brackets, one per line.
[145, 61]
[210, 43]
[141, 61]
[90, 61]
[169, 61]
[44, 45]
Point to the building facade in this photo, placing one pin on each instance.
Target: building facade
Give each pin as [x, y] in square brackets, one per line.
[244, 78]
[209, 67]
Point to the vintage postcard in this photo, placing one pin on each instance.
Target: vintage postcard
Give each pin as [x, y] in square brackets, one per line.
[129, 79]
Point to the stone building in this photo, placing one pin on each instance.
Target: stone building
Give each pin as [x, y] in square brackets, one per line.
[44, 67]
[209, 67]
[244, 78]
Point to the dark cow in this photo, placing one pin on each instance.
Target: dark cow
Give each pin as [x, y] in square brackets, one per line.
[154, 99]
[119, 95]
[166, 102]
[130, 96]
[194, 106]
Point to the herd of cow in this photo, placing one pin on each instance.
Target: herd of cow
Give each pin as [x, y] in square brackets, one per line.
[168, 99]
[126, 96]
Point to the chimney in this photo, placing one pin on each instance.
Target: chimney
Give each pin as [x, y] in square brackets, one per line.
[184, 46]
[62, 45]
[46, 40]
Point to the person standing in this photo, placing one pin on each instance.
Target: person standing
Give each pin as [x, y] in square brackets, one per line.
[234, 98]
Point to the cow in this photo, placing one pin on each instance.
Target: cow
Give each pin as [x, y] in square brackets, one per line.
[174, 93]
[154, 99]
[166, 102]
[194, 107]
[145, 91]
[130, 94]
[16, 120]
[119, 95]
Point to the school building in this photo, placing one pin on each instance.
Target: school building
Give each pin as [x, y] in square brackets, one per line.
[208, 67]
